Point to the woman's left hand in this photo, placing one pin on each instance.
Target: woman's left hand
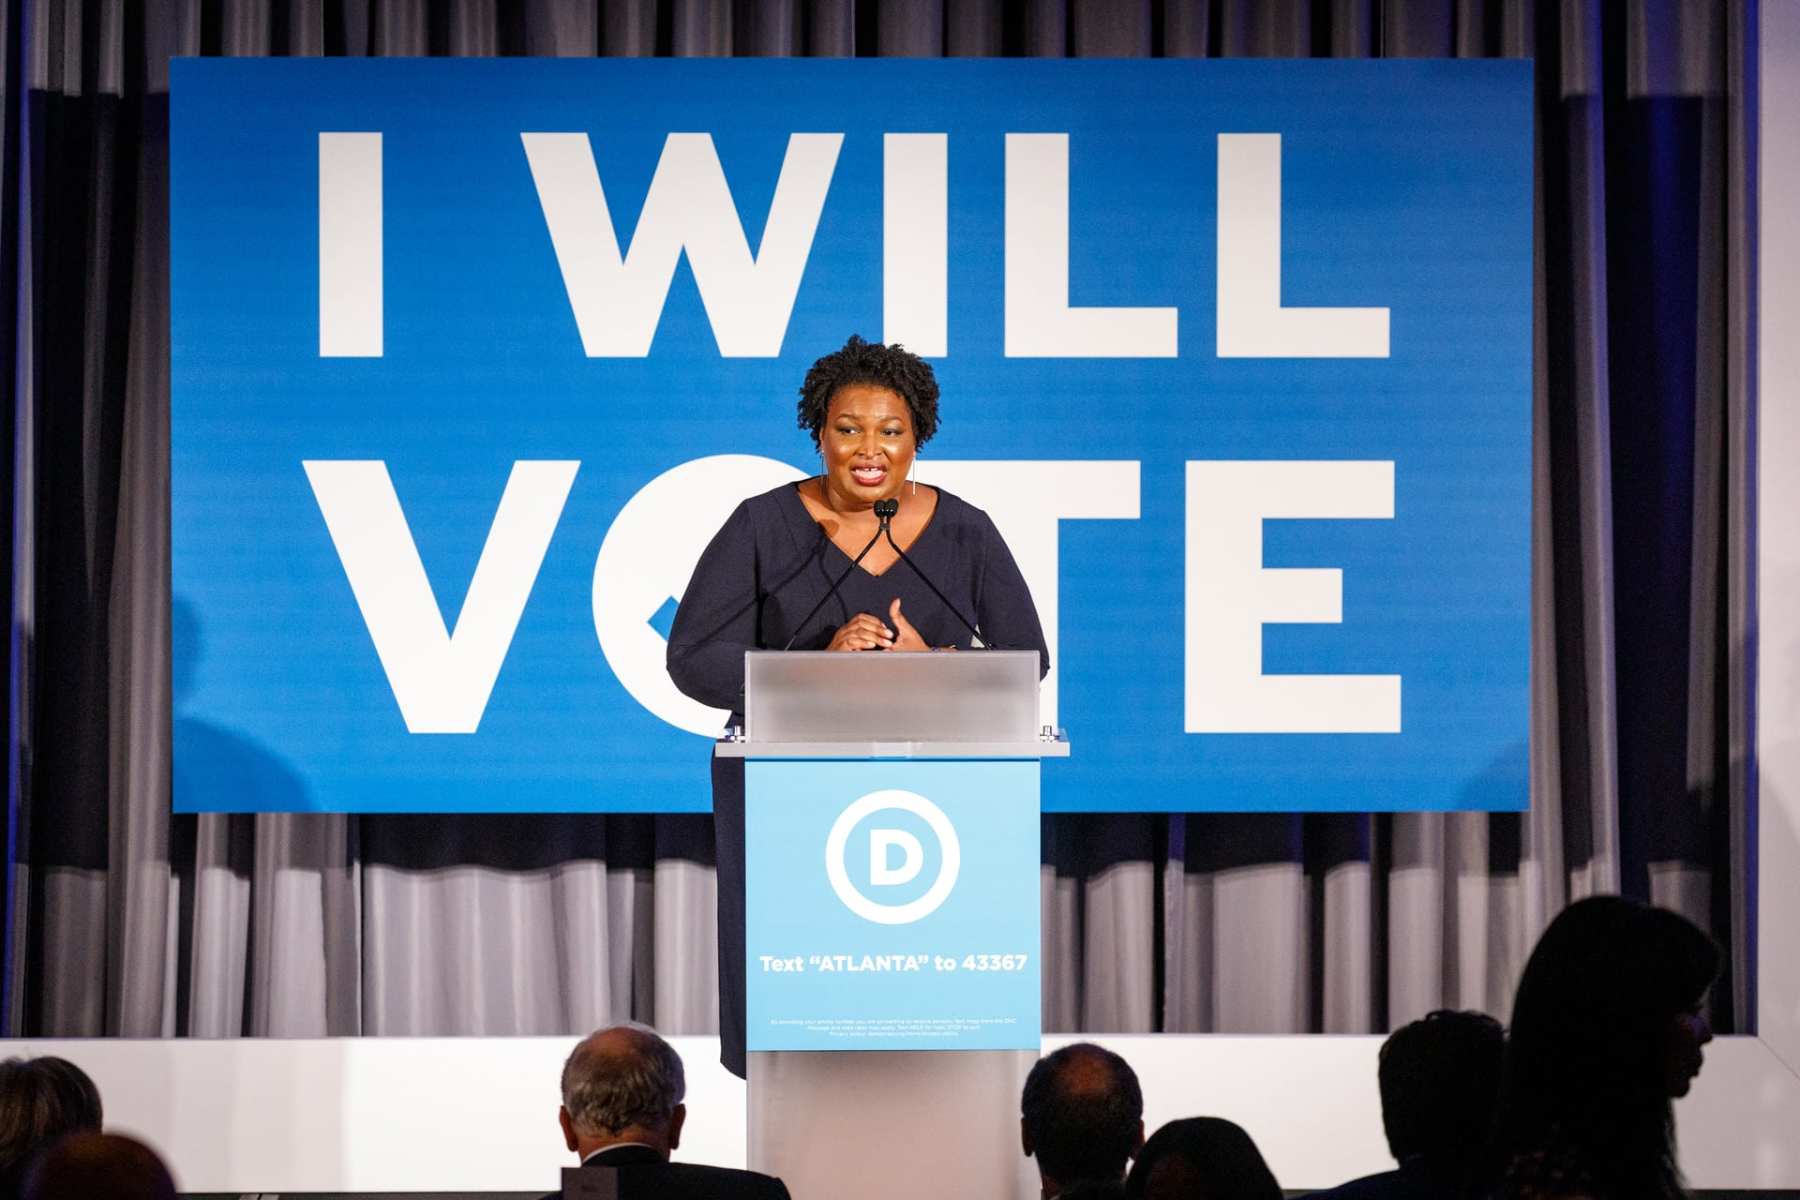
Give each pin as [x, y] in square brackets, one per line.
[905, 636]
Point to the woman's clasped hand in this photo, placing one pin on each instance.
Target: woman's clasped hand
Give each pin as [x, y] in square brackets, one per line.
[864, 632]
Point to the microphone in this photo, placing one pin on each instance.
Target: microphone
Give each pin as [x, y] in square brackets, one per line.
[885, 509]
[893, 507]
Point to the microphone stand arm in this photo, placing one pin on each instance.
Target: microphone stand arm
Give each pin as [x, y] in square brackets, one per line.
[943, 599]
[835, 584]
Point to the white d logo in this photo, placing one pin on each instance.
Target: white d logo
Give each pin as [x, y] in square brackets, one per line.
[880, 842]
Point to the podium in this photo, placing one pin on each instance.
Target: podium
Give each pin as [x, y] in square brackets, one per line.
[892, 918]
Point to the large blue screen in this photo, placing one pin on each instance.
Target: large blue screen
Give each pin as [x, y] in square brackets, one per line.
[471, 358]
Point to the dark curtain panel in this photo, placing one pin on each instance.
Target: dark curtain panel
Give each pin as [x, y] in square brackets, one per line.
[123, 921]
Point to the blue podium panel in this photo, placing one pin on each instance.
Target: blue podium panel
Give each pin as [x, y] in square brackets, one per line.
[892, 905]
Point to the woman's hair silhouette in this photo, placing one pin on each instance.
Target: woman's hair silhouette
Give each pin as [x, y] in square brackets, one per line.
[1605, 1031]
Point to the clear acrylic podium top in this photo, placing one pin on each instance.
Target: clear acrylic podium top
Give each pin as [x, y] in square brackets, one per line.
[817, 704]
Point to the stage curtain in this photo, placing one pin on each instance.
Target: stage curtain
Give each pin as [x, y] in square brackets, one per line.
[121, 920]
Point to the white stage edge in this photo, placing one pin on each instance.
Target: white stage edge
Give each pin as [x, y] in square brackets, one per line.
[1777, 636]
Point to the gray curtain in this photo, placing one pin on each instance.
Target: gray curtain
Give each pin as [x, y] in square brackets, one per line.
[124, 921]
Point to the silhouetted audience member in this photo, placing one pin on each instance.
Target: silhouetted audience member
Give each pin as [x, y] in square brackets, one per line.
[1201, 1158]
[41, 1100]
[1094, 1189]
[1606, 1030]
[1439, 1080]
[98, 1166]
[1081, 1116]
[622, 1091]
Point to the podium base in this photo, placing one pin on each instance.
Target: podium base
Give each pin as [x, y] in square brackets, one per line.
[891, 1125]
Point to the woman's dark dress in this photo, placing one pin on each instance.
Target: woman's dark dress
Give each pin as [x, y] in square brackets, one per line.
[764, 571]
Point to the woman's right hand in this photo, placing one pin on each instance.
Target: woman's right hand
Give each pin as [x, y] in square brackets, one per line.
[862, 632]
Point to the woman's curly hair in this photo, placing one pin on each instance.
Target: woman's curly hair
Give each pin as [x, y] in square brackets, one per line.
[900, 371]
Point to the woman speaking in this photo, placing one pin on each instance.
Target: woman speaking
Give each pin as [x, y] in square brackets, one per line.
[765, 582]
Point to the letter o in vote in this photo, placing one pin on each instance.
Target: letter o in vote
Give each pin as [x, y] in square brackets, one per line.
[648, 555]
[838, 842]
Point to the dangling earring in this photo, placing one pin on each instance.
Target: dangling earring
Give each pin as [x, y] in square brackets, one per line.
[912, 474]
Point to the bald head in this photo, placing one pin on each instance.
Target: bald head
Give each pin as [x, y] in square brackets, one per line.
[1081, 1114]
[1089, 1071]
[99, 1166]
[623, 1083]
